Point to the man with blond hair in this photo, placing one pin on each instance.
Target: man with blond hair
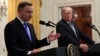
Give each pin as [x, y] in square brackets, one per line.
[70, 32]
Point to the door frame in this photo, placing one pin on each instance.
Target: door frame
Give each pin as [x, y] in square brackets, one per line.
[57, 7]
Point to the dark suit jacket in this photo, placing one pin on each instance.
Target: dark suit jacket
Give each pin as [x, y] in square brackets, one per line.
[17, 41]
[68, 36]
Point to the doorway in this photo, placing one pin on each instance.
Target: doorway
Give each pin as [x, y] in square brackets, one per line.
[82, 17]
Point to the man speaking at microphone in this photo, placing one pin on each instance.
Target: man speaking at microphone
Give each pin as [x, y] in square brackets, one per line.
[20, 36]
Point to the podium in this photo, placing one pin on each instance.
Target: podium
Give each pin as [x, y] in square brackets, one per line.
[60, 51]
[94, 50]
[70, 50]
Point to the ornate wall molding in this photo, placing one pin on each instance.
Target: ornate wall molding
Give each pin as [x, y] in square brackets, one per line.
[3, 9]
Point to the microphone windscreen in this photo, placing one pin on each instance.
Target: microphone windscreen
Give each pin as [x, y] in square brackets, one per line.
[89, 25]
[42, 22]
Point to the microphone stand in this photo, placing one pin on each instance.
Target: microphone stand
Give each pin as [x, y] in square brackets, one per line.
[94, 27]
[52, 24]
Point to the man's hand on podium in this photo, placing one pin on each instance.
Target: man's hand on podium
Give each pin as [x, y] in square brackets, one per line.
[35, 51]
[84, 47]
[52, 36]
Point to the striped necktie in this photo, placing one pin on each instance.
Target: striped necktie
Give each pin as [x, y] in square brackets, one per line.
[73, 28]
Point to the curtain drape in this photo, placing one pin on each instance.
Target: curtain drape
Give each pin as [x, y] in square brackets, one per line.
[12, 13]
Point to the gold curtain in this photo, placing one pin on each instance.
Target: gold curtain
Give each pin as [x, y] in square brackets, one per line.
[12, 13]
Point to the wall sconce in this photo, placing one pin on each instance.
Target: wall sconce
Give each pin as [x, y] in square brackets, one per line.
[75, 15]
[3, 9]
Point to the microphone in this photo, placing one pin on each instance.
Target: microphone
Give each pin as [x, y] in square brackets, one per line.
[51, 22]
[91, 26]
[44, 23]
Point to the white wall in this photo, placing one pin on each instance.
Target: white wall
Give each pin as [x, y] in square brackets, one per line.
[46, 15]
[3, 21]
[96, 19]
[50, 11]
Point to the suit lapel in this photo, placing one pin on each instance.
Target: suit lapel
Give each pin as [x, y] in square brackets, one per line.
[68, 28]
[20, 26]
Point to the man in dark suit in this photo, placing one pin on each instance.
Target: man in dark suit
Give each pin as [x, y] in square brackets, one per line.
[20, 37]
[69, 31]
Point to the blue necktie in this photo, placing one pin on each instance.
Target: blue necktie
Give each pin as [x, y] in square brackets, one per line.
[27, 30]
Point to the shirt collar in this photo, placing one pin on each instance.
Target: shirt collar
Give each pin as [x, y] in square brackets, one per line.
[20, 20]
[68, 22]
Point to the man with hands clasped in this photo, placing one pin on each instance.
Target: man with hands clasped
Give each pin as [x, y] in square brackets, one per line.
[70, 32]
